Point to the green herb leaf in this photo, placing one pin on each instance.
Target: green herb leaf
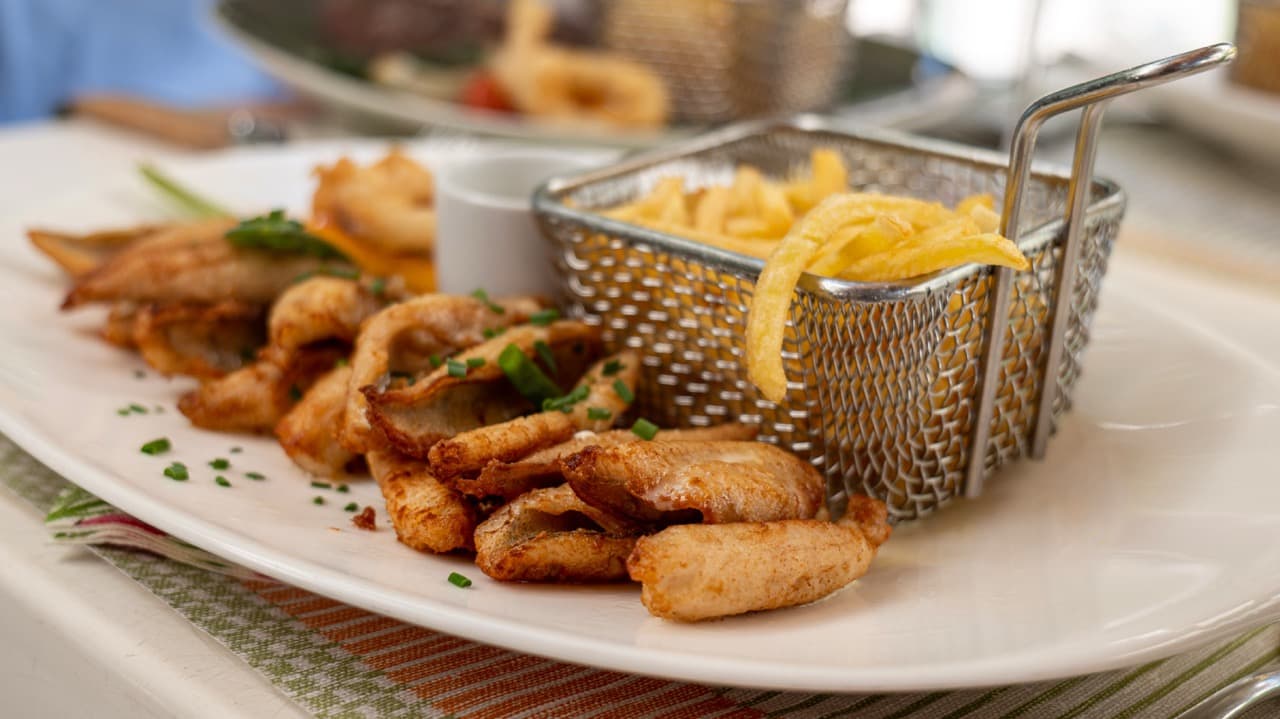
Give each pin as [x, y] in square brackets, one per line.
[188, 201]
[137, 408]
[542, 318]
[276, 233]
[343, 488]
[644, 429]
[254, 475]
[378, 286]
[598, 413]
[221, 481]
[436, 361]
[177, 471]
[566, 402]
[341, 362]
[123, 412]
[456, 368]
[547, 356]
[474, 362]
[612, 367]
[491, 332]
[525, 376]
[624, 391]
[322, 485]
[483, 296]
[156, 446]
[458, 580]
[237, 450]
[351, 507]
[317, 500]
[220, 463]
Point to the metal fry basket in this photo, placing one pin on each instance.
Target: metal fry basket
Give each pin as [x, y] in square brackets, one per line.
[897, 390]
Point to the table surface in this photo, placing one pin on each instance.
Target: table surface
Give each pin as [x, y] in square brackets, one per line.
[78, 633]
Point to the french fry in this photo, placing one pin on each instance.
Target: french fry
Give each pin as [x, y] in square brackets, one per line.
[712, 209]
[858, 241]
[920, 259]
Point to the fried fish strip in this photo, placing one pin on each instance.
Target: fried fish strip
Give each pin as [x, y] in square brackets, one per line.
[191, 263]
[549, 535]
[319, 309]
[255, 397]
[470, 451]
[443, 404]
[694, 572]
[542, 468]
[204, 341]
[427, 515]
[670, 482]
[306, 432]
[79, 254]
[428, 324]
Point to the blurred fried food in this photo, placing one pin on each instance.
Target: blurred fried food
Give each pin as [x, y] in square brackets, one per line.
[389, 205]
[203, 341]
[78, 254]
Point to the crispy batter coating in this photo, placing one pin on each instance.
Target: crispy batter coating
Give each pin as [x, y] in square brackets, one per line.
[723, 481]
[255, 397]
[319, 309]
[118, 329]
[204, 341]
[78, 254]
[426, 325]
[190, 263]
[549, 535]
[542, 468]
[702, 571]
[470, 451]
[389, 204]
[414, 417]
[427, 515]
[307, 431]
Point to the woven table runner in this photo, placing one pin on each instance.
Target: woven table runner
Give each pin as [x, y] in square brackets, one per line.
[336, 660]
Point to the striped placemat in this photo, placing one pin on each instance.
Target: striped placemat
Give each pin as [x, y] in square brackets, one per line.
[336, 660]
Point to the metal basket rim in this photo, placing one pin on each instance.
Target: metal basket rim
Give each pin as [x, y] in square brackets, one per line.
[547, 202]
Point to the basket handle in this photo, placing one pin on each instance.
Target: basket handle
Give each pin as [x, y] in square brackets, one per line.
[1092, 96]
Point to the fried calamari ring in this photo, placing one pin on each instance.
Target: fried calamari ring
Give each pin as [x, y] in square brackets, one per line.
[255, 397]
[316, 310]
[389, 204]
[306, 432]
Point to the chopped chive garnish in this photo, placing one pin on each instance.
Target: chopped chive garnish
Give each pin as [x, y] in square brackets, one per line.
[565, 403]
[237, 450]
[137, 408]
[378, 285]
[458, 580]
[546, 355]
[193, 204]
[624, 391]
[456, 368]
[322, 485]
[317, 500]
[295, 394]
[156, 446]
[483, 296]
[341, 362]
[542, 318]
[123, 412]
[526, 377]
[611, 368]
[491, 332]
[221, 481]
[139, 374]
[351, 507]
[159, 409]
[474, 362]
[220, 463]
[598, 413]
[254, 475]
[343, 488]
[644, 429]
[274, 232]
[435, 361]
[177, 471]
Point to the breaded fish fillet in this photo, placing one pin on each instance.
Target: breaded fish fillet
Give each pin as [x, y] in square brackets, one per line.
[542, 468]
[693, 572]
[549, 535]
[470, 451]
[307, 431]
[431, 324]
[427, 515]
[724, 481]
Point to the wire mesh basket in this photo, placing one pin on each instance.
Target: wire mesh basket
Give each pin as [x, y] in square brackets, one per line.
[896, 390]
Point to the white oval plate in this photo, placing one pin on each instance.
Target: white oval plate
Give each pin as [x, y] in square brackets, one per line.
[1151, 527]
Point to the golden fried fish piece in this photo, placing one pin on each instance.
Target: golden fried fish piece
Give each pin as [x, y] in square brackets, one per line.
[204, 341]
[542, 468]
[507, 441]
[670, 482]
[414, 417]
[191, 263]
[118, 329]
[79, 254]
[414, 330]
[427, 515]
[307, 431]
[549, 535]
[389, 204]
[255, 397]
[319, 309]
[693, 572]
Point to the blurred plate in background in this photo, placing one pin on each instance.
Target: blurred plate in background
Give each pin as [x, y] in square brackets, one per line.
[1241, 119]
